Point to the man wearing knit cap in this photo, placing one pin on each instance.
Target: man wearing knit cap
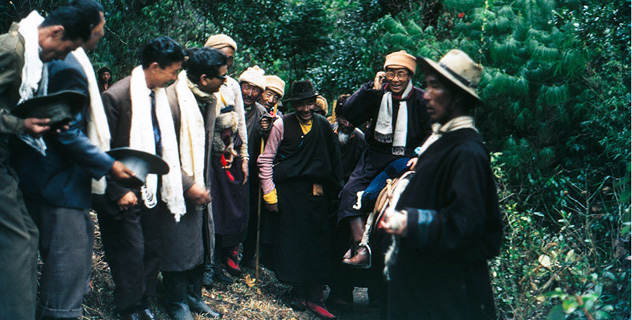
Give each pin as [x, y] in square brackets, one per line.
[399, 124]
[275, 89]
[229, 97]
[322, 107]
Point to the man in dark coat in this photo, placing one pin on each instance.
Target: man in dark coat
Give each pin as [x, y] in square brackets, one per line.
[185, 243]
[139, 117]
[27, 45]
[447, 219]
[399, 124]
[57, 188]
[300, 177]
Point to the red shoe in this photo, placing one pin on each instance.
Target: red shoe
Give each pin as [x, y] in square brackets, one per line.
[233, 267]
[320, 310]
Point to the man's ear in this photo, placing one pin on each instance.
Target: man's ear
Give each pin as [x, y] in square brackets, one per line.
[153, 66]
[203, 80]
[56, 31]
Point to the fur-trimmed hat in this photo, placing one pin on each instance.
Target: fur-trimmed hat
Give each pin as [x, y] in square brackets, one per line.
[218, 41]
[457, 67]
[275, 84]
[401, 59]
[255, 76]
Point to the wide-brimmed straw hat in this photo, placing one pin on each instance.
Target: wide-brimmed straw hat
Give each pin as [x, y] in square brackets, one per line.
[301, 90]
[458, 68]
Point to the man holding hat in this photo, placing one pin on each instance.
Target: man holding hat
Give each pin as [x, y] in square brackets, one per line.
[447, 221]
[139, 117]
[399, 124]
[23, 52]
[57, 187]
[300, 175]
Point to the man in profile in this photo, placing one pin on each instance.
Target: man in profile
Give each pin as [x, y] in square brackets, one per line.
[139, 117]
[23, 52]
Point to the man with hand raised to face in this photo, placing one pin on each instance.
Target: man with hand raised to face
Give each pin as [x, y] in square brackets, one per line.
[139, 117]
[23, 51]
[399, 124]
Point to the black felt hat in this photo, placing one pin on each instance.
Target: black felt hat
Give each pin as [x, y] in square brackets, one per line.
[59, 107]
[142, 163]
[301, 90]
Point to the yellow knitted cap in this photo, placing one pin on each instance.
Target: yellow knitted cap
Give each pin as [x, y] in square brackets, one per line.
[401, 59]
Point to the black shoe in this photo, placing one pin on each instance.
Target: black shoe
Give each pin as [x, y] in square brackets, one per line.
[297, 304]
[198, 305]
[179, 311]
[130, 316]
[221, 277]
[146, 314]
[207, 278]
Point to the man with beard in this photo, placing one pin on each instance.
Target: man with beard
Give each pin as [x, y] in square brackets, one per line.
[399, 123]
[351, 139]
[447, 220]
[193, 108]
[139, 117]
[23, 51]
[300, 177]
[275, 89]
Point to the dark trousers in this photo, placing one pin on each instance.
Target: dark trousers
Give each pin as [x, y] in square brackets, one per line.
[18, 251]
[131, 240]
[178, 285]
[66, 241]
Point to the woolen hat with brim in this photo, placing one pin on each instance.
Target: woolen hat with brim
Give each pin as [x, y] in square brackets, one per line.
[60, 107]
[275, 84]
[219, 41]
[301, 90]
[457, 67]
[141, 163]
[401, 59]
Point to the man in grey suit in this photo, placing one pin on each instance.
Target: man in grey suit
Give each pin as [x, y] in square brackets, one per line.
[26, 47]
[57, 186]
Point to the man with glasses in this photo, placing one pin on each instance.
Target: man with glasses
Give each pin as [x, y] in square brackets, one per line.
[187, 245]
[399, 124]
[300, 174]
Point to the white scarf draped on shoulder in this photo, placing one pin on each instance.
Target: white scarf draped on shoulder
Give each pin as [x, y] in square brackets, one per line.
[192, 131]
[384, 131]
[142, 138]
[97, 129]
[32, 72]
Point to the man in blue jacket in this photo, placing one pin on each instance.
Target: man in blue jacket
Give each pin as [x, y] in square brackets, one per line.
[57, 187]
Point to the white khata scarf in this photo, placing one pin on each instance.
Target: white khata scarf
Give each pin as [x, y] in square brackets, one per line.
[438, 130]
[98, 130]
[142, 138]
[192, 131]
[384, 126]
[32, 70]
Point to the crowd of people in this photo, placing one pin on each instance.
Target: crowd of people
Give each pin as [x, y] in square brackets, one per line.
[257, 177]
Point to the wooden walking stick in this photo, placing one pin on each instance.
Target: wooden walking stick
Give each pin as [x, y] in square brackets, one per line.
[258, 225]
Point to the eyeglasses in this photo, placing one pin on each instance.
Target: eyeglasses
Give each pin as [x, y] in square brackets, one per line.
[401, 74]
[246, 87]
[221, 77]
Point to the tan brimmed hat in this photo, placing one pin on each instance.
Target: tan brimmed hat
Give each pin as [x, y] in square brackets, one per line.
[457, 67]
[275, 84]
[401, 59]
[218, 41]
[255, 76]
[321, 103]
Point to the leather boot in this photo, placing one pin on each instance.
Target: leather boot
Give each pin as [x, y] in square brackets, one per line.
[361, 259]
[207, 278]
[315, 302]
[179, 310]
[197, 304]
